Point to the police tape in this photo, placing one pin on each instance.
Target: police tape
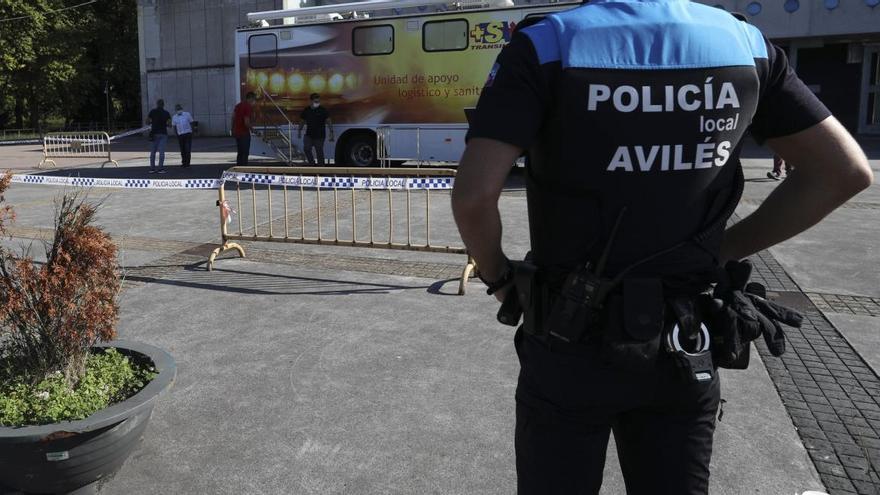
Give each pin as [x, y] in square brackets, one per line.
[125, 134]
[341, 181]
[306, 182]
[21, 141]
[132, 132]
[118, 183]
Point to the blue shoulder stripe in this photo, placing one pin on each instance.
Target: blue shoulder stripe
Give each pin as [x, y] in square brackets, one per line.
[757, 41]
[647, 35]
[544, 40]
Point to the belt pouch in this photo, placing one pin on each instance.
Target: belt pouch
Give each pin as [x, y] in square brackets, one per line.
[634, 324]
[532, 297]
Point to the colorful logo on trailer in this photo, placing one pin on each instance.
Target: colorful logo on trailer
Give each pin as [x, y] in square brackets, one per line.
[493, 34]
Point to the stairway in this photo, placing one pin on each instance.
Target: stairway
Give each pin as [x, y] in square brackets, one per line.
[278, 139]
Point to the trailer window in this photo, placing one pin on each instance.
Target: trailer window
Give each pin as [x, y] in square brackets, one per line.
[445, 36]
[373, 40]
[263, 51]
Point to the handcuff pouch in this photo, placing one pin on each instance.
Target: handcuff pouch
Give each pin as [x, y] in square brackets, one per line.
[634, 323]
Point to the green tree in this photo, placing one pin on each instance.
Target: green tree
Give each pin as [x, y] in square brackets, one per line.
[57, 57]
[16, 52]
[111, 57]
[44, 54]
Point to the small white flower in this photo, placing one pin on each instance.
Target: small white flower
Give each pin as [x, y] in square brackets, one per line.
[44, 395]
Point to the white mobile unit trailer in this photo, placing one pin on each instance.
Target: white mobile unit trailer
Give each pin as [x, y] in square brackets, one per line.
[381, 72]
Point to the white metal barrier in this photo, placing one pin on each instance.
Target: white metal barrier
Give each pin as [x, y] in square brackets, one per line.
[77, 145]
[353, 207]
[385, 151]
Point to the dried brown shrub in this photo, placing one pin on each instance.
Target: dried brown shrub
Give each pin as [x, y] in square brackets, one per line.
[51, 314]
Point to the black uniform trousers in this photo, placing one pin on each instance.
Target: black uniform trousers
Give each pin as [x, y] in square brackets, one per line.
[317, 143]
[243, 144]
[568, 403]
[185, 141]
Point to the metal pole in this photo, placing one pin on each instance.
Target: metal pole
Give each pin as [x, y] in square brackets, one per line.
[254, 197]
[271, 220]
[428, 217]
[223, 231]
[317, 182]
[286, 215]
[240, 211]
[390, 212]
[353, 215]
[107, 92]
[302, 209]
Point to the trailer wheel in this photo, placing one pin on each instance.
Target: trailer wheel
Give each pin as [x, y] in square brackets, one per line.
[360, 151]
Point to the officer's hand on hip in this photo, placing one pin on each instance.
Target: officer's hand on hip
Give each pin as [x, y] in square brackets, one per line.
[501, 294]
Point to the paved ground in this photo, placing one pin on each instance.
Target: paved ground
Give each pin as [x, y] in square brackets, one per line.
[129, 150]
[311, 369]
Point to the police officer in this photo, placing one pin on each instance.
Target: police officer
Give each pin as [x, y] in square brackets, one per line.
[633, 113]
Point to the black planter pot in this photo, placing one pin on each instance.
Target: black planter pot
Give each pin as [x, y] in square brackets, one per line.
[73, 456]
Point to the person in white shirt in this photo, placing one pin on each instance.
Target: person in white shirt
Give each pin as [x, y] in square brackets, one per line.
[182, 122]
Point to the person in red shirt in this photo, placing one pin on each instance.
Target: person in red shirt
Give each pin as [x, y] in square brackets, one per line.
[242, 122]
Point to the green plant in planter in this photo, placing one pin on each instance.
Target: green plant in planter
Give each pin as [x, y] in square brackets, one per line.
[109, 378]
[51, 316]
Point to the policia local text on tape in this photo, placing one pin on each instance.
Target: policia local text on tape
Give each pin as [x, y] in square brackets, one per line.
[632, 114]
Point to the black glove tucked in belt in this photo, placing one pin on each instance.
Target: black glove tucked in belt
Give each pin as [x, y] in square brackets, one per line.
[740, 313]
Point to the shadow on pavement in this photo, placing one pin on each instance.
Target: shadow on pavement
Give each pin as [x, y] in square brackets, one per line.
[437, 287]
[141, 144]
[254, 283]
[195, 171]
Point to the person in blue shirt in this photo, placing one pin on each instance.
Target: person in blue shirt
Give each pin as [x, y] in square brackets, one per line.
[183, 127]
[632, 114]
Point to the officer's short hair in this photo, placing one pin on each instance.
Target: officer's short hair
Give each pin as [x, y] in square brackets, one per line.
[314, 96]
[250, 96]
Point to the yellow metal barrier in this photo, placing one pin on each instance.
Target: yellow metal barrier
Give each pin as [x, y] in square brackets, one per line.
[343, 196]
[76, 145]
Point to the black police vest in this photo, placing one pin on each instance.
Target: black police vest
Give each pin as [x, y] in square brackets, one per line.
[663, 144]
[648, 104]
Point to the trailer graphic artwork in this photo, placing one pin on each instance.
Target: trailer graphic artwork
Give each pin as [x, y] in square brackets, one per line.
[396, 82]
[398, 78]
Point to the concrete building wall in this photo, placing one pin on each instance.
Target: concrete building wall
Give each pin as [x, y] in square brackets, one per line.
[810, 18]
[187, 51]
[833, 45]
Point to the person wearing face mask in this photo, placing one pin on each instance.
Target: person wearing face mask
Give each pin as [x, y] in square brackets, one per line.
[316, 119]
[182, 122]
